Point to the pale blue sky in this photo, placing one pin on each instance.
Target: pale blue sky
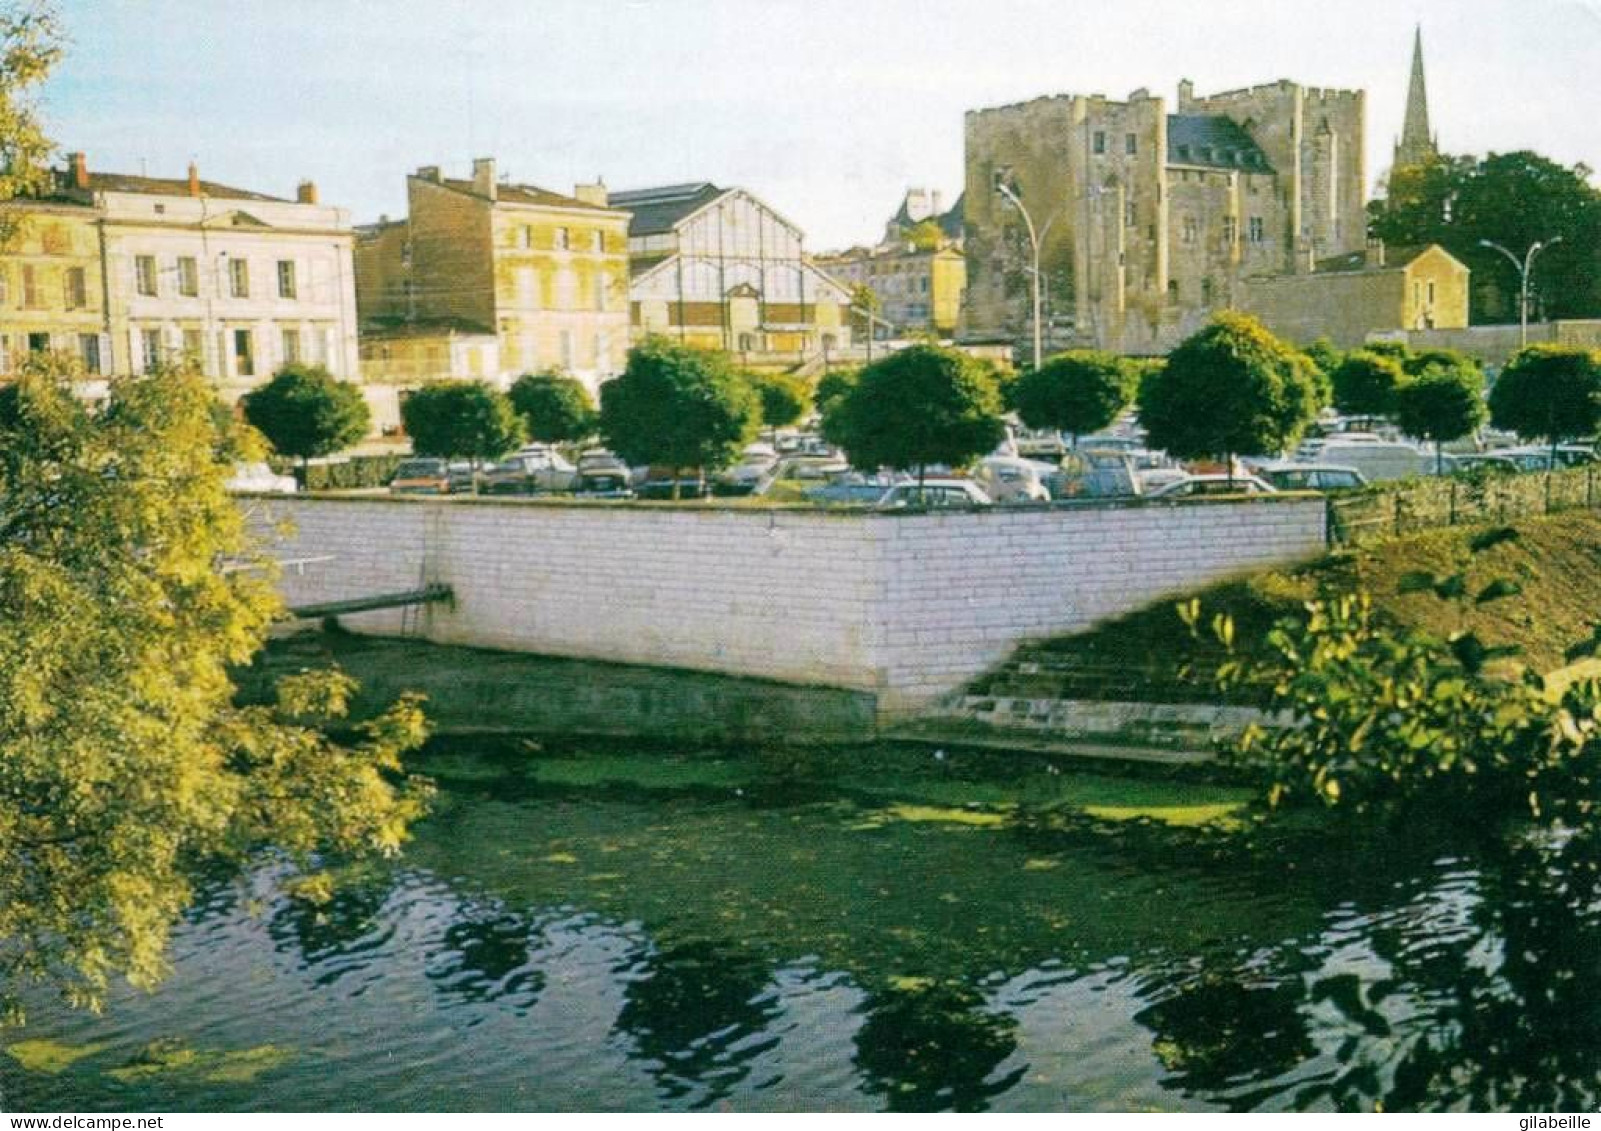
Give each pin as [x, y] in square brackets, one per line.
[827, 109]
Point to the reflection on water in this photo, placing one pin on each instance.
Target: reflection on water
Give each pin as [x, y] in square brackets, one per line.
[555, 940]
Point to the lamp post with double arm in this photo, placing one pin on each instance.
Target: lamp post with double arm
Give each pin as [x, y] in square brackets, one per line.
[1523, 266]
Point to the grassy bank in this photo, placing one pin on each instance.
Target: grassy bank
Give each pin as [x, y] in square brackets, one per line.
[1150, 655]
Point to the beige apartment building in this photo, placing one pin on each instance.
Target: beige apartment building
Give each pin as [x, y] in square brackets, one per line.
[241, 281]
[486, 278]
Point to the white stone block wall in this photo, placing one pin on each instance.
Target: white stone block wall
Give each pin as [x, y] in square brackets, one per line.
[909, 607]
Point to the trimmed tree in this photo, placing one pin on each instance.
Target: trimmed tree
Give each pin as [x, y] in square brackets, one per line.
[1443, 404]
[1365, 383]
[921, 405]
[556, 408]
[831, 386]
[1076, 392]
[1549, 392]
[461, 420]
[784, 399]
[1231, 388]
[305, 412]
[679, 406]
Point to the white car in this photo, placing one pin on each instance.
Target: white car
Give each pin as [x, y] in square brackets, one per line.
[940, 493]
[259, 479]
[1211, 483]
[1012, 480]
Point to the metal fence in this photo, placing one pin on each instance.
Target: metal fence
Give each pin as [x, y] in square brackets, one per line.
[1424, 504]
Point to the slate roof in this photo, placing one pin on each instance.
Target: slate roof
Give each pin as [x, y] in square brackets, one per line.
[1394, 257]
[527, 194]
[657, 210]
[1213, 141]
[165, 186]
[953, 222]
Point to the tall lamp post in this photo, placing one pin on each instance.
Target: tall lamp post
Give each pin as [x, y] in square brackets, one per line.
[1523, 266]
[1034, 240]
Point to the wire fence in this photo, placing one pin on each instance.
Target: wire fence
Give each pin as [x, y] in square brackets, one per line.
[1426, 504]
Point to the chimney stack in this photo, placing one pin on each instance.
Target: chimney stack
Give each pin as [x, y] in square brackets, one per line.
[1186, 95]
[429, 173]
[80, 170]
[484, 177]
[194, 179]
[593, 193]
[1375, 253]
[306, 192]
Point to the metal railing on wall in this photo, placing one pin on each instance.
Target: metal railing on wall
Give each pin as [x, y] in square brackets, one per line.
[1426, 504]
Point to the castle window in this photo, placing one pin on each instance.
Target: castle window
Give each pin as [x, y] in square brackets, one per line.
[1206, 291]
[1256, 232]
[1131, 143]
[1191, 229]
[1099, 143]
[1128, 213]
[1231, 230]
[1173, 290]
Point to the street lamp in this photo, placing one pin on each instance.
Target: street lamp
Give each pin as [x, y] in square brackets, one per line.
[1523, 266]
[1034, 239]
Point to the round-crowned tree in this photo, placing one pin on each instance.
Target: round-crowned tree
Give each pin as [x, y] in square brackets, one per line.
[1549, 392]
[1365, 383]
[921, 405]
[305, 412]
[1076, 392]
[1441, 405]
[1232, 388]
[679, 406]
[555, 408]
[784, 399]
[461, 420]
[831, 386]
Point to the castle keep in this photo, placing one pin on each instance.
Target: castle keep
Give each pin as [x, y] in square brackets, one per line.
[1151, 217]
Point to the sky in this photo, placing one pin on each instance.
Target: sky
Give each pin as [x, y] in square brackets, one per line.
[826, 109]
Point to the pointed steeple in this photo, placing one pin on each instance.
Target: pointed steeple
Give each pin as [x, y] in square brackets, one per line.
[1417, 143]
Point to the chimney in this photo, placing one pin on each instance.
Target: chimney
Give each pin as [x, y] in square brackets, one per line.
[80, 170]
[429, 173]
[306, 192]
[1186, 95]
[593, 193]
[1375, 253]
[484, 177]
[194, 180]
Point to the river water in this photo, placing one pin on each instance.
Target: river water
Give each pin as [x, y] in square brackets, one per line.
[603, 930]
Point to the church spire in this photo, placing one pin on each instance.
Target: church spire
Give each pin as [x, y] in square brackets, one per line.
[1417, 143]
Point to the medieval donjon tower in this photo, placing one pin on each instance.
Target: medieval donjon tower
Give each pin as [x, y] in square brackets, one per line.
[1150, 219]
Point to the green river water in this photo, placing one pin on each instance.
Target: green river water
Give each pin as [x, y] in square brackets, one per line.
[605, 928]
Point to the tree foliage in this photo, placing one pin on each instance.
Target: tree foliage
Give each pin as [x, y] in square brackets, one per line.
[831, 386]
[1549, 392]
[679, 407]
[784, 399]
[1233, 388]
[1365, 383]
[1077, 392]
[128, 588]
[1512, 199]
[305, 412]
[921, 405]
[31, 44]
[1441, 405]
[1386, 715]
[461, 420]
[555, 407]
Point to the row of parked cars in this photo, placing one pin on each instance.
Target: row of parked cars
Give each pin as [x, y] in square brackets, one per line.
[535, 469]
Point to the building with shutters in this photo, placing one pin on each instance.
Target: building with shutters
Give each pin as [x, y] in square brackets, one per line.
[52, 292]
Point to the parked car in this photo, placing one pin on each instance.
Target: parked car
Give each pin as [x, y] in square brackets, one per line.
[602, 475]
[1211, 483]
[1537, 457]
[814, 467]
[1007, 479]
[1485, 464]
[429, 476]
[1311, 477]
[935, 494]
[1376, 459]
[530, 471]
[755, 472]
[1097, 473]
[260, 479]
[658, 483]
[854, 487]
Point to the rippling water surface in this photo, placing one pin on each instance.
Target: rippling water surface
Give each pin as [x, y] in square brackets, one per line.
[653, 933]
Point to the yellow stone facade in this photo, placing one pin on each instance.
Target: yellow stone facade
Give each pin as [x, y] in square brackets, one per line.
[1375, 292]
[918, 291]
[52, 294]
[545, 274]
